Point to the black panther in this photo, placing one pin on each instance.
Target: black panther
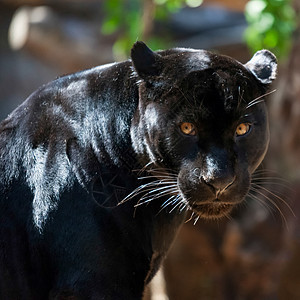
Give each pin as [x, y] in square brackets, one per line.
[99, 169]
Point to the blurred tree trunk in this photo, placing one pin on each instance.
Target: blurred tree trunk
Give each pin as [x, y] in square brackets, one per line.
[148, 19]
[285, 111]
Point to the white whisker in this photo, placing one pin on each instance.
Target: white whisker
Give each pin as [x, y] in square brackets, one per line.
[196, 220]
[175, 206]
[279, 185]
[257, 100]
[143, 188]
[276, 196]
[148, 199]
[170, 201]
[161, 176]
[262, 203]
[183, 206]
[191, 217]
[273, 203]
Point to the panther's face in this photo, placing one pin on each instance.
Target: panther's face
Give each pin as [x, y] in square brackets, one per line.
[202, 120]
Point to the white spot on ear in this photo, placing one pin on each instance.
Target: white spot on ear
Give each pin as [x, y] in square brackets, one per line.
[263, 65]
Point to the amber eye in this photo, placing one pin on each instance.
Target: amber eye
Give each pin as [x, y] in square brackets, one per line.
[188, 128]
[242, 129]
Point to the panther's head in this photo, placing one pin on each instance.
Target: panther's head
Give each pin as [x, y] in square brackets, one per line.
[202, 121]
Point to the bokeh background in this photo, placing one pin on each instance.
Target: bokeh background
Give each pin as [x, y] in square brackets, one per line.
[254, 255]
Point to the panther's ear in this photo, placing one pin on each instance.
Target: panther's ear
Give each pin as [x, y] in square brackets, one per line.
[263, 65]
[145, 61]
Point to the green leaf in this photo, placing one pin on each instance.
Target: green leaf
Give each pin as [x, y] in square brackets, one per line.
[271, 39]
[110, 25]
[254, 9]
[193, 3]
[270, 25]
[266, 22]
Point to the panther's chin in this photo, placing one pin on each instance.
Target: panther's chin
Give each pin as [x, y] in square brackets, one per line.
[212, 210]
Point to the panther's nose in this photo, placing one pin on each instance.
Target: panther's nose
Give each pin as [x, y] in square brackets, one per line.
[219, 184]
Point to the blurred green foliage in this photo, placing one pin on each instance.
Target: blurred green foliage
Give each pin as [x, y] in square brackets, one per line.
[271, 25]
[125, 19]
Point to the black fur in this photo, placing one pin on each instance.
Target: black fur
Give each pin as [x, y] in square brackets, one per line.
[72, 153]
